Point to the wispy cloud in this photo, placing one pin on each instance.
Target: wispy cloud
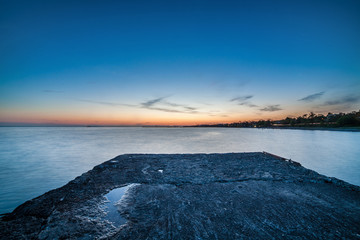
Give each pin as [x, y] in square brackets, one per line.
[168, 110]
[160, 104]
[242, 101]
[241, 98]
[271, 108]
[248, 104]
[312, 97]
[152, 102]
[179, 105]
[343, 100]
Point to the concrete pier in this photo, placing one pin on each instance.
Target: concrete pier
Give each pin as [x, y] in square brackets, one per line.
[192, 196]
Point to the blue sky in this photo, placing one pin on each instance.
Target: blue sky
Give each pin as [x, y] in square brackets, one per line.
[176, 62]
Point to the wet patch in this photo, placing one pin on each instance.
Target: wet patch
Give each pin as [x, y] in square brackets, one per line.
[111, 205]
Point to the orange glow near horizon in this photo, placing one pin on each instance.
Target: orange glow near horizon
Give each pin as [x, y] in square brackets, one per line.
[163, 112]
[172, 119]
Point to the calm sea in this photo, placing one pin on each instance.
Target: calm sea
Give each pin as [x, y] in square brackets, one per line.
[35, 160]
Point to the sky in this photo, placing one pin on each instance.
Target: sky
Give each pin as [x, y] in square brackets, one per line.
[176, 62]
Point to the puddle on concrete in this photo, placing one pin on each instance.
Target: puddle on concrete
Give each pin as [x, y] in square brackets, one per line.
[113, 197]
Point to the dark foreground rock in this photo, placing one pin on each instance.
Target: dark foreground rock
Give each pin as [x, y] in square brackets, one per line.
[194, 196]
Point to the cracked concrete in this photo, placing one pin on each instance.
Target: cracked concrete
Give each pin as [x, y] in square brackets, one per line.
[194, 196]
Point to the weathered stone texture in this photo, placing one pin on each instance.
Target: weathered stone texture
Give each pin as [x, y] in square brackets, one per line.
[194, 196]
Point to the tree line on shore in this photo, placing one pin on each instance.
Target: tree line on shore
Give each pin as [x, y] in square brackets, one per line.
[332, 120]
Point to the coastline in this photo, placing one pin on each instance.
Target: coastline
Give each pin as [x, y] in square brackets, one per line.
[340, 129]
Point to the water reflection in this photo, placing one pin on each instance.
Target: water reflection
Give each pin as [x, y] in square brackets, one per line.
[111, 205]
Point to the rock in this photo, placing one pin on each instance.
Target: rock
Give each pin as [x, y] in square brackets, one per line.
[194, 196]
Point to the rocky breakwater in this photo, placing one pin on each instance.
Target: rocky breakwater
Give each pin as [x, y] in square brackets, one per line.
[192, 196]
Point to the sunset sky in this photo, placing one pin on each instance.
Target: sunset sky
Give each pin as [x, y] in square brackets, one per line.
[176, 62]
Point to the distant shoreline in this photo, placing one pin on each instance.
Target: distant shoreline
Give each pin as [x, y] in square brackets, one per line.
[340, 129]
